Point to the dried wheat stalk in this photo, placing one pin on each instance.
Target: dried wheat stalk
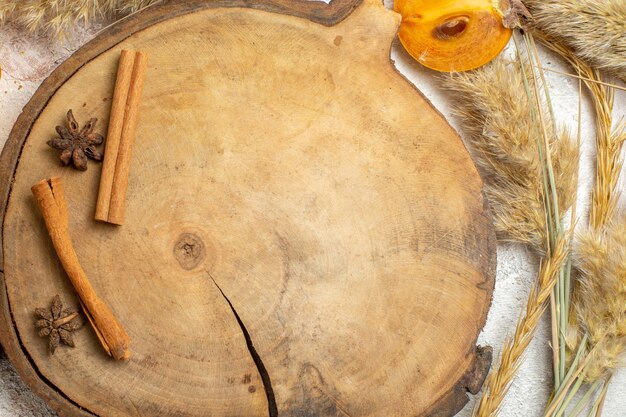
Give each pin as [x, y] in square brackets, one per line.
[609, 140]
[58, 16]
[593, 30]
[500, 121]
[599, 294]
[499, 380]
[601, 305]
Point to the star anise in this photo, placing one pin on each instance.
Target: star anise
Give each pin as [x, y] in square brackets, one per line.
[58, 324]
[77, 144]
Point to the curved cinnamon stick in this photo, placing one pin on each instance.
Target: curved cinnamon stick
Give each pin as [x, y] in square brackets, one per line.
[51, 201]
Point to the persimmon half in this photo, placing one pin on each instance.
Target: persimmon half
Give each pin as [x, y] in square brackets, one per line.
[451, 35]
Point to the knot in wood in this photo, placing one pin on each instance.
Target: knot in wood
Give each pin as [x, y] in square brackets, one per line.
[189, 251]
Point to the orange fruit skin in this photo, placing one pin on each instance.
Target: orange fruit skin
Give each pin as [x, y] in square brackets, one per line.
[483, 38]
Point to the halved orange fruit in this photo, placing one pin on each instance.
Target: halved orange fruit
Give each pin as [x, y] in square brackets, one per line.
[449, 35]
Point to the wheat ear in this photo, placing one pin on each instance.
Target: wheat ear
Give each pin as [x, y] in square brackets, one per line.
[499, 380]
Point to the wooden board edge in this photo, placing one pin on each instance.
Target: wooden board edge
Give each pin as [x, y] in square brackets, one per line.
[453, 401]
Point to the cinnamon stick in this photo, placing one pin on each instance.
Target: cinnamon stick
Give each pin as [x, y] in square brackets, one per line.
[114, 133]
[51, 202]
[115, 174]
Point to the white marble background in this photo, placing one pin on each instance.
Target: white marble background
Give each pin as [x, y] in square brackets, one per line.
[27, 59]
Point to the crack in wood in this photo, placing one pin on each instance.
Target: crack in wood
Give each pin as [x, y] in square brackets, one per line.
[265, 376]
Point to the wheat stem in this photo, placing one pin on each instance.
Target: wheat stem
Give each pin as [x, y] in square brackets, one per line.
[589, 80]
[555, 340]
[608, 143]
[558, 398]
[570, 376]
[544, 174]
[570, 396]
[599, 405]
[585, 400]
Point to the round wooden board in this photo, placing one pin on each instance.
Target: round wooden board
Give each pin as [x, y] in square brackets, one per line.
[340, 259]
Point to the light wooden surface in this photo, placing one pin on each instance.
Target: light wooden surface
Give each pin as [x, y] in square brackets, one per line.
[288, 187]
[27, 59]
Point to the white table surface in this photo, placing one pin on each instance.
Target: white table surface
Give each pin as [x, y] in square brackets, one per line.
[26, 60]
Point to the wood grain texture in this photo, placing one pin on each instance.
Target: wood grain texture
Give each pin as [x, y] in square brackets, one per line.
[299, 220]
